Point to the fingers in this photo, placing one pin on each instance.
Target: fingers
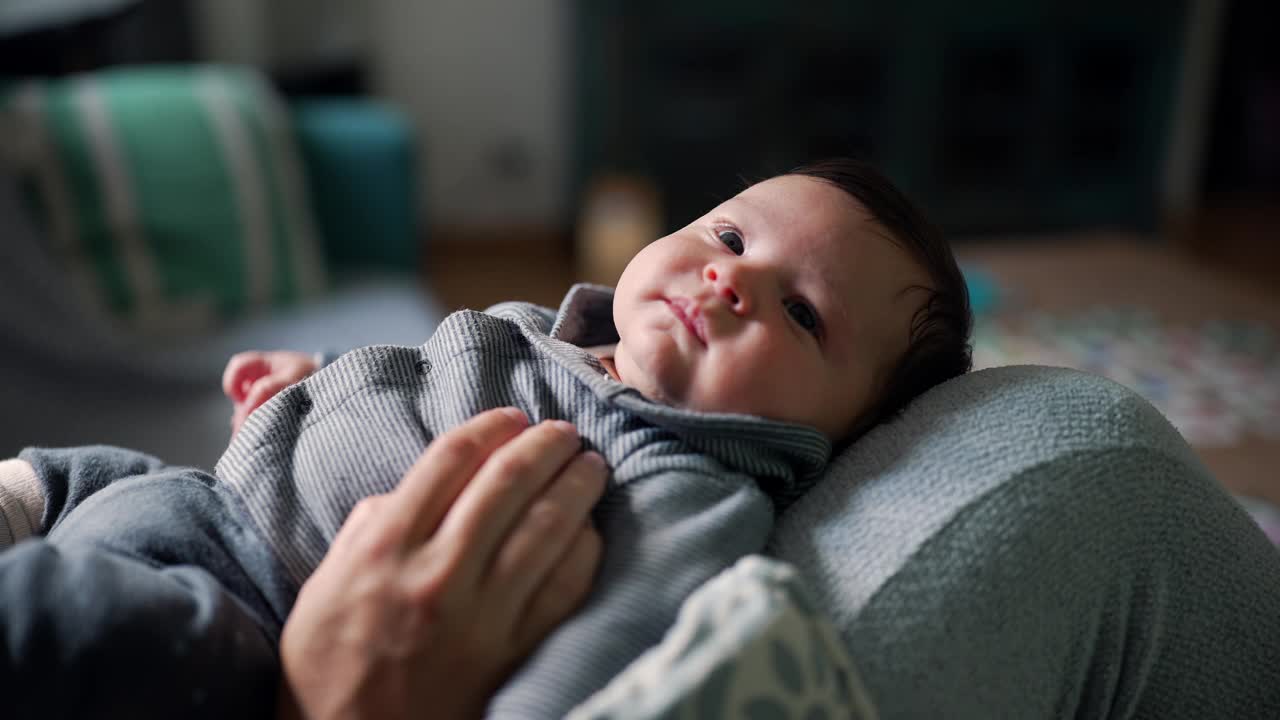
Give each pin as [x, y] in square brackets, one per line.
[262, 390]
[542, 536]
[430, 487]
[242, 369]
[487, 508]
[259, 391]
[562, 592]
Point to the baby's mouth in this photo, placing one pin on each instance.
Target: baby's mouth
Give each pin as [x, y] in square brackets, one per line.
[689, 315]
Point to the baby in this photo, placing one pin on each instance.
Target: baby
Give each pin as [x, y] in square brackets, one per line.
[714, 381]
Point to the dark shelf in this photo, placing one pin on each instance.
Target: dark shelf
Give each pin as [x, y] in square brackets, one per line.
[1009, 116]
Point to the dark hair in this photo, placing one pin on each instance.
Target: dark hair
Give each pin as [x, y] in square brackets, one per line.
[938, 348]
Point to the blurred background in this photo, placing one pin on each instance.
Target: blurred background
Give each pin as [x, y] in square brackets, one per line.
[1108, 171]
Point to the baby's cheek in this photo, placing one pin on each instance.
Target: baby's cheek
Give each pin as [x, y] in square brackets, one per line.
[854, 399]
[737, 384]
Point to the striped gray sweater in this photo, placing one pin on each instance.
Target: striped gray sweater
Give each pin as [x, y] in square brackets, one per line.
[689, 492]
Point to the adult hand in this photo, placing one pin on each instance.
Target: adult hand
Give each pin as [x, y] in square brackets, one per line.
[431, 594]
[252, 378]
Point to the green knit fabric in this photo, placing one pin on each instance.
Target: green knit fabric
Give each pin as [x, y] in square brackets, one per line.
[174, 194]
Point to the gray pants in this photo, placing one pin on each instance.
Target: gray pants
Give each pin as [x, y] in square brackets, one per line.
[146, 598]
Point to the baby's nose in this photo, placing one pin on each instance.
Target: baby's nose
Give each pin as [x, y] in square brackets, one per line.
[728, 288]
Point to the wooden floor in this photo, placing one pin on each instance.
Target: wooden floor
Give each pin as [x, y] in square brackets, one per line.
[478, 275]
[1053, 274]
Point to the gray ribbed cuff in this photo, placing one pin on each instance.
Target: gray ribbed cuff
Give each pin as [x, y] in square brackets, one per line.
[21, 502]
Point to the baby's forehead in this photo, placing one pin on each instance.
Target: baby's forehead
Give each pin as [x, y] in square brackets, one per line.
[806, 209]
[838, 240]
[800, 193]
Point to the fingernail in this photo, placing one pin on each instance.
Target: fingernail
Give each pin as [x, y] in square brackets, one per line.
[513, 413]
[564, 427]
[594, 458]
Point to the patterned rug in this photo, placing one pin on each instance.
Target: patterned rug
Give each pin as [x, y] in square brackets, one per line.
[1216, 382]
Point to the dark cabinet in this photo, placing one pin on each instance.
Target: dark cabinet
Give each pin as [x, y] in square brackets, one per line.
[996, 116]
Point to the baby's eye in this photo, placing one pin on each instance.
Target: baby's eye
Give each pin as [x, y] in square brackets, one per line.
[804, 315]
[731, 240]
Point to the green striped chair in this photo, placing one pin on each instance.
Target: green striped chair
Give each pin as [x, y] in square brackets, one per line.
[156, 220]
[182, 196]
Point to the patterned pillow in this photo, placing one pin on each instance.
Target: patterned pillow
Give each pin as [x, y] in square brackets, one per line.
[173, 194]
[748, 644]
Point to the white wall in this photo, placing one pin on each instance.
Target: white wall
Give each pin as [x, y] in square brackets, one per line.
[481, 80]
[478, 77]
[311, 30]
[282, 34]
[233, 31]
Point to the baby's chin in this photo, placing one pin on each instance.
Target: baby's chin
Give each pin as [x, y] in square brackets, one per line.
[654, 392]
[652, 385]
[645, 385]
[691, 398]
[682, 397]
[664, 378]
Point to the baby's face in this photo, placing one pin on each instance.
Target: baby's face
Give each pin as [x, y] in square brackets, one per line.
[788, 302]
